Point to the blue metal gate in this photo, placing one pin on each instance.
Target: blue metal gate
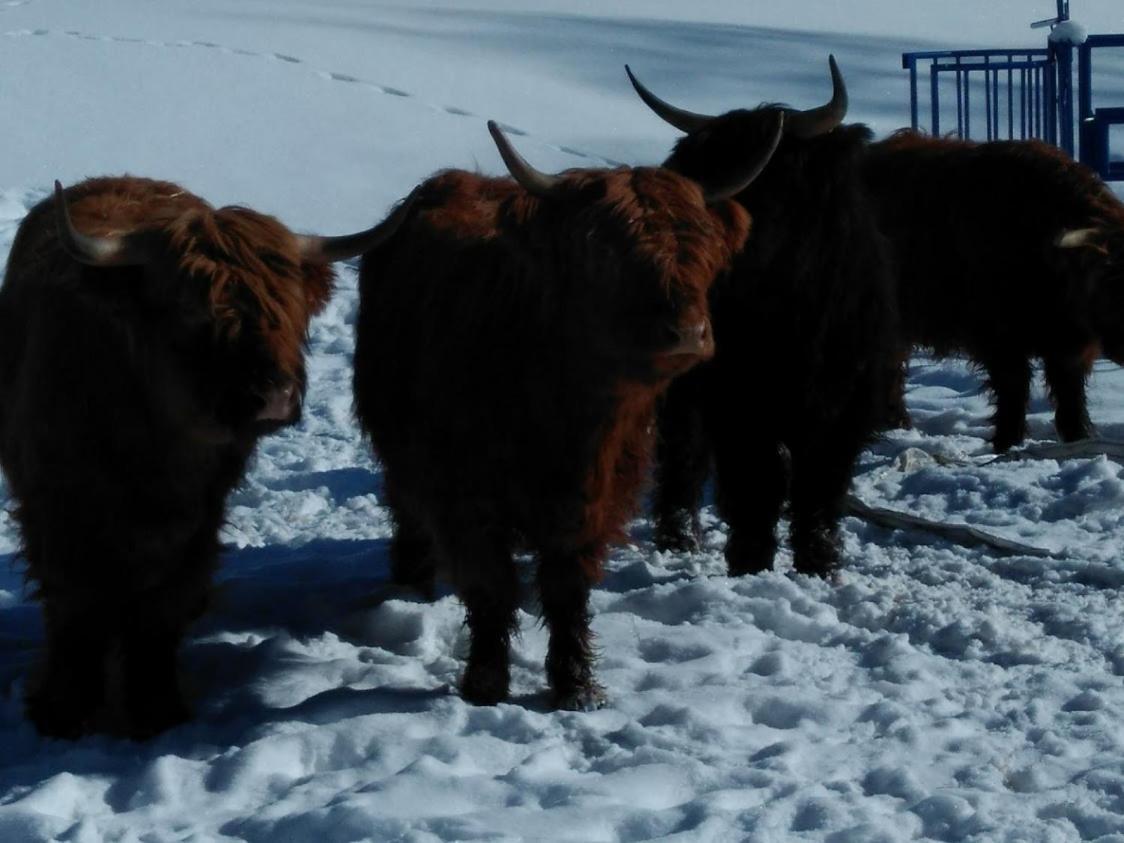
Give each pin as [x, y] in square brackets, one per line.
[1011, 90]
[1018, 94]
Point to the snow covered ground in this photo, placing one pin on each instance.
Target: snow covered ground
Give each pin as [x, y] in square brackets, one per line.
[935, 693]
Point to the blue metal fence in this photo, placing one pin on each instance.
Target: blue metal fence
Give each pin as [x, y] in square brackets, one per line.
[1016, 88]
[1019, 94]
[1096, 122]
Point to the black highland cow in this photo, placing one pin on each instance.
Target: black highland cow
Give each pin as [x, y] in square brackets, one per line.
[805, 331]
[1006, 251]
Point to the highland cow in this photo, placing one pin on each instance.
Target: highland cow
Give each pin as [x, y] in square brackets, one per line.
[805, 332]
[511, 342]
[147, 340]
[1005, 251]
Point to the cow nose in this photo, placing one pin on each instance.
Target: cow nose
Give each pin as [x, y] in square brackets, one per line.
[281, 403]
[695, 338]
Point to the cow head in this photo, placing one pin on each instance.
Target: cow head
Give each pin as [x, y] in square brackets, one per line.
[1094, 256]
[712, 144]
[641, 247]
[230, 292]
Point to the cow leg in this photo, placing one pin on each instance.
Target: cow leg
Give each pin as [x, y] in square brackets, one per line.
[1066, 377]
[411, 556]
[564, 585]
[151, 697]
[152, 630]
[751, 482]
[821, 474]
[682, 463]
[411, 548]
[71, 687]
[897, 416]
[486, 580]
[1009, 380]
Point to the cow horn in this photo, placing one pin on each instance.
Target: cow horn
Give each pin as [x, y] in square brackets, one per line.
[537, 184]
[742, 179]
[1076, 238]
[90, 250]
[820, 121]
[684, 121]
[317, 249]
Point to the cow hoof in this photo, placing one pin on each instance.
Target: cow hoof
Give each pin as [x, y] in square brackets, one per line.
[142, 725]
[56, 718]
[588, 697]
[1004, 442]
[745, 558]
[678, 532]
[817, 555]
[484, 685]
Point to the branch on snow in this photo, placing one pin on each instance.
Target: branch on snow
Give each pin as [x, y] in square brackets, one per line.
[957, 533]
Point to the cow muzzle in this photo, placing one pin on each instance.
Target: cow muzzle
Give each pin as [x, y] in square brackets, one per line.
[696, 343]
[282, 404]
[695, 340]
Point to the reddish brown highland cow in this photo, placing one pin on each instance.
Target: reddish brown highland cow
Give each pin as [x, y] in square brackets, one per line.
[1005, 251]
[146, 341]
[512, 339]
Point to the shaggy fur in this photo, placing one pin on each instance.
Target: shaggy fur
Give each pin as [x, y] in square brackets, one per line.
[128, 399]
[975, 229]
[804, 328]
[509, 352]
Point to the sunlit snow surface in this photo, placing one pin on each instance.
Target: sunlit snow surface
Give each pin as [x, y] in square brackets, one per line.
[935, 693]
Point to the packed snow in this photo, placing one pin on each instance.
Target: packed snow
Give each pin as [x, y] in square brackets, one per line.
[935, 692]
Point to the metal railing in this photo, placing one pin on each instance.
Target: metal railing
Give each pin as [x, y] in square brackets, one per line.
[1018, 90]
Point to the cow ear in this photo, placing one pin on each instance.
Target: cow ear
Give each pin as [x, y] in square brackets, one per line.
[735, 223]
[318, 280]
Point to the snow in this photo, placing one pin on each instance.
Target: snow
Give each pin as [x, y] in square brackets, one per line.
[935, 692]
[1069, 32]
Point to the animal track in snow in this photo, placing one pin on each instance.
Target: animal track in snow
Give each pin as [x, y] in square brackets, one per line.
[327, 75]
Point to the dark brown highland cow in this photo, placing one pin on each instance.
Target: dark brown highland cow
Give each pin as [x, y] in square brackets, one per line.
[805, 330]
[511, 342]
[1006, 251]
[146, 341]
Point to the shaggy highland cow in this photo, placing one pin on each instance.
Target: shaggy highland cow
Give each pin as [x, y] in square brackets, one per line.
[1005, 251]
[511, 342]
[804, 328]
[146, 341]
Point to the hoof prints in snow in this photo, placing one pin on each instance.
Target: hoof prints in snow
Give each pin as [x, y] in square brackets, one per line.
[332, 76]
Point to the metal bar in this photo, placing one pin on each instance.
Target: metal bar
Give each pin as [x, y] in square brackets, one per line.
[995, 99]
[959, 101]
[913, 93]
[1085, 102]
[966, 128]
[1022, 104]
[934, 100]
[1011, 102]
[1016, 65]
[987, 100]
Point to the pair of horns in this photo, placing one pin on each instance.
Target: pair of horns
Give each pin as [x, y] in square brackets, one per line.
[546, 186]
[137, 249]
[800, 124]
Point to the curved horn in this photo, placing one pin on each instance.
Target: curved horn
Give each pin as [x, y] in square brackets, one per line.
[820, 121]
[741, 179]
[317, 249]
[537, 184]
[684, 121]
[1075, 238]
[90, 250]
